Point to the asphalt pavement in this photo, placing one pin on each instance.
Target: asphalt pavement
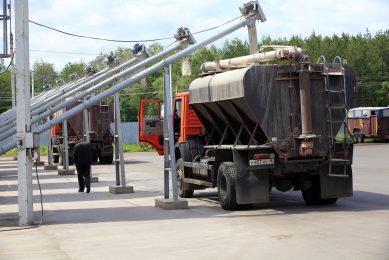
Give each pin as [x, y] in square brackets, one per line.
[101, 225]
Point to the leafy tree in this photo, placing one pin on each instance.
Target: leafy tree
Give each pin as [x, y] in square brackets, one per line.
[367, 54]
[5, 91]
[202, 55]
[382, 95]
[44, 73]
[234, 48]
[155, 48]
[71, 69]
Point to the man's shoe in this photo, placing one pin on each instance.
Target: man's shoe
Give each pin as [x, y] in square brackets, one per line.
[80, 190]
[87, 190]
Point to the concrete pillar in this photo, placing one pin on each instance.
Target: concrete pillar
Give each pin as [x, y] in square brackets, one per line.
[86, 125]
[65, 154]
[166, 161]
[23, 113]
[121, 186]
[49, 165]
[167, 203]
[253, 40]
[49, 147]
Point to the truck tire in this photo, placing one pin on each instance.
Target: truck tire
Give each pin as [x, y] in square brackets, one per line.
[71, 160]
[180, 173]
[226, 186]
[312, 195]
[95, 157]
[55, 158]
[105, 159]
[108, 159]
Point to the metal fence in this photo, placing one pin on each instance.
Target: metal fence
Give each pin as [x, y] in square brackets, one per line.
[129, 134]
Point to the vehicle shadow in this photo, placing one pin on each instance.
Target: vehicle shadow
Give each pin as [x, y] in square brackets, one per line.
[280, 203]
[293, 203]
[79, 197]
[56, 185]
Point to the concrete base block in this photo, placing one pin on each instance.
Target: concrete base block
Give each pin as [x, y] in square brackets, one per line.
[66, 172]
[121, 190]
[94, 179]
[50, 167]
[40, 163]
[171, 204]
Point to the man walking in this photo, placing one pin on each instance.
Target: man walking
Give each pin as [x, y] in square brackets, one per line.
[83, 161]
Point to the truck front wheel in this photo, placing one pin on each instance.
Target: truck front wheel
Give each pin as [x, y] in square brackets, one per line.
[226, 186]
[180, 172]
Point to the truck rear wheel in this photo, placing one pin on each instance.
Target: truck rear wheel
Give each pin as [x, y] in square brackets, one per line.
[180, 173]
[104, 159]
[226, 186]
[95, 157]
[55, 158]
[71, 160]
[312, 195]
[108, 159]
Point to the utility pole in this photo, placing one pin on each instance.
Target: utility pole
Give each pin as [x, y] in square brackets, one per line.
[23, 114]
[11, 43]
[12, 70]
[32, 84]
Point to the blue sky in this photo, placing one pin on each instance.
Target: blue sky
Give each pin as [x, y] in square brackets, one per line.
[145, 19]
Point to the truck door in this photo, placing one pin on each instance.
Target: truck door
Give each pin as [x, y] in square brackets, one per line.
[177, 119]
[151, 123]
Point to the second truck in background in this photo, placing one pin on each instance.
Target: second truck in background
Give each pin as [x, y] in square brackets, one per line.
[101, 136]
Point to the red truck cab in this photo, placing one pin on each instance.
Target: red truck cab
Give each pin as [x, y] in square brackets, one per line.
[185, 121]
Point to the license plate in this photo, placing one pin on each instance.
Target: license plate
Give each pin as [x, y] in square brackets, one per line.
[261, 162]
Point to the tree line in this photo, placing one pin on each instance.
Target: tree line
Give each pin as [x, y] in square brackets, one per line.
[367, 54]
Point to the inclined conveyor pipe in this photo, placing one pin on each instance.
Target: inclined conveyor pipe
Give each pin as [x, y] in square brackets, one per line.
[9, 121]
[246, 20]
[9, 115]
[82, 91]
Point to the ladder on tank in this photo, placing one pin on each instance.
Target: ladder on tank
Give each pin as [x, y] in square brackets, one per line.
[337, 70]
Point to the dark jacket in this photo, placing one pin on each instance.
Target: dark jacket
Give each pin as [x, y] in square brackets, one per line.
[83, 154]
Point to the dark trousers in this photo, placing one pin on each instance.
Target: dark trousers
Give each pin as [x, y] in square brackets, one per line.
[83, 173]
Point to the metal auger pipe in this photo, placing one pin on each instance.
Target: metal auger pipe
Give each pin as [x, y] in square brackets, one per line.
[248, 20]
[8, 130]
[10, 114]
[68, 99]
[8, 120]
[285, 53]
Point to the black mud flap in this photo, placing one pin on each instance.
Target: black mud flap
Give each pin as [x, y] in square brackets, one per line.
[252, 187]
[337, 183]
[252, 184]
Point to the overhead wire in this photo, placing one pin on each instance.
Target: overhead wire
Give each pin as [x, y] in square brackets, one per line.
[66, 52]
[126, 41]
[98, 38]
[215, 27]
